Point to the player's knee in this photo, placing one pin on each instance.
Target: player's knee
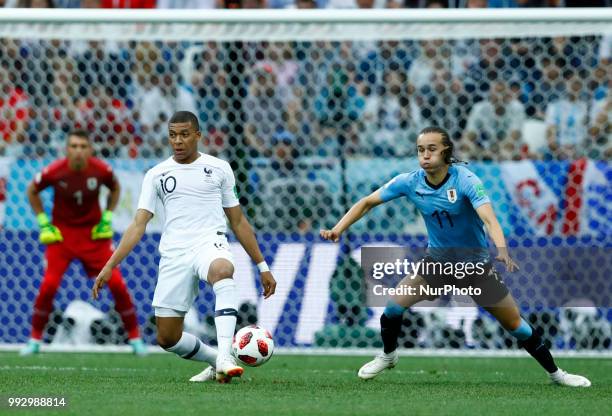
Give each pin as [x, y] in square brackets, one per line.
[167, 340]
[220, 269]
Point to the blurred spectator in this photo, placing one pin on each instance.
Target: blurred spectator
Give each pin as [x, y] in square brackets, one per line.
[15, 111]
[476, 4]
[152, 98]
[277, 57]
[434, 55]
[443, 102]
[566, 121]
[435, 4]
[493, 130]
[242, 4]
[36, 4]
[127, 4]
[586, 3]
[525, 75]
[186, 4]
[306, 4]
[356, 4]
[106, 115]
[338, 105]
[292, 199]
[605, 49]
[152, 101]
[394, 132]
[549, 88]
[522, 3]
[263, 109]
[600, 132]
[485, 69]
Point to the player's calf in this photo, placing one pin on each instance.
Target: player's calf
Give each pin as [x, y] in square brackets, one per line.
[390, 326]
[189, 347]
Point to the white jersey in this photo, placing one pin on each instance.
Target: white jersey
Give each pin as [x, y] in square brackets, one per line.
[193, 197]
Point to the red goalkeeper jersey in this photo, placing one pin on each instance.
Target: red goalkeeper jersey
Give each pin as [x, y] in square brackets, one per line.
[76, 193]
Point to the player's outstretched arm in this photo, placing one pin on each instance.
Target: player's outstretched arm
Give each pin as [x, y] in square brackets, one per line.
[130, 238]
[487, 215]
[353, 215]
[245, 235]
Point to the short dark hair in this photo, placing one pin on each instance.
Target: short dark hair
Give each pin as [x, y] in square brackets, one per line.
[84, 134]
[185, 117]
[446, 141]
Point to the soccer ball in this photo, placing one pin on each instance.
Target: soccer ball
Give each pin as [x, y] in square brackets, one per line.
[253, 345]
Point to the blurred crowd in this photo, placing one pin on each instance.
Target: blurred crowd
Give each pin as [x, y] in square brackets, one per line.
[501, 99]
[300, 4]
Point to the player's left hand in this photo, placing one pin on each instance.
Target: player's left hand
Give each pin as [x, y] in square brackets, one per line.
[103, 230]
[268, 283]
[504, 257]
[101, 280]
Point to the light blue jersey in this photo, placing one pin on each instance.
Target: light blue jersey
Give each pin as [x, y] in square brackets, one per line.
[449, 210]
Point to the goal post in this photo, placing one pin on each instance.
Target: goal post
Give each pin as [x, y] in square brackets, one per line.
[314, 110]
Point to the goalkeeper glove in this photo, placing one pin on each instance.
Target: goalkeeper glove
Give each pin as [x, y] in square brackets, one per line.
[103, 230]
[49, 233]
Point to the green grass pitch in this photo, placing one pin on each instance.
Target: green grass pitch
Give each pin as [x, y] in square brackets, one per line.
[120, 384]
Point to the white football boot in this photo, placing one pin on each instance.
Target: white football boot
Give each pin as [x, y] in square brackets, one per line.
[563, 378]
[210, 374]
[379, 364]
[226, 366]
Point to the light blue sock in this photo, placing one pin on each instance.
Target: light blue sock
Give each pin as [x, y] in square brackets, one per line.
[393, 310]
[523, 332]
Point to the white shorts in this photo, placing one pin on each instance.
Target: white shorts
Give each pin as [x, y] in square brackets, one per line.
[177, 283]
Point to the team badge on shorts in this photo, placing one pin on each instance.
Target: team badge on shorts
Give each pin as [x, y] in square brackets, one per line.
[451, 195]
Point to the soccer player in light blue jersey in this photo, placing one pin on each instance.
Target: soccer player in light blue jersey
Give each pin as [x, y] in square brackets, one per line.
[454, 204]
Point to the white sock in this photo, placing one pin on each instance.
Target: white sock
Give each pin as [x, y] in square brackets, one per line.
[225, 314]
[190, 347]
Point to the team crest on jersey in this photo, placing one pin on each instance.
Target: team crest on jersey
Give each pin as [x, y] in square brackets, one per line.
[208, 171]
[92, 184]
[451, 195]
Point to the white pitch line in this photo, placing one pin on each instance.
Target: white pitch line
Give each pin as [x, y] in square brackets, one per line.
[47, 368]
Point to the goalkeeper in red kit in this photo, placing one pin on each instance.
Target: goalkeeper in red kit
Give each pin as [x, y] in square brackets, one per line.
[79, 231]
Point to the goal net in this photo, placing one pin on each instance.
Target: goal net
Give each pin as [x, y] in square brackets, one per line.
[315, 110]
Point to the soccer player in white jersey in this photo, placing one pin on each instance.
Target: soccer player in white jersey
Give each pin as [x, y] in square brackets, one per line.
[196, 192]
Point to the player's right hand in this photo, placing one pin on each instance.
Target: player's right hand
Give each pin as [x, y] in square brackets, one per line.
[330, 235]
[505, 258]
[49, 233]
[101, 280]
[268, 283]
